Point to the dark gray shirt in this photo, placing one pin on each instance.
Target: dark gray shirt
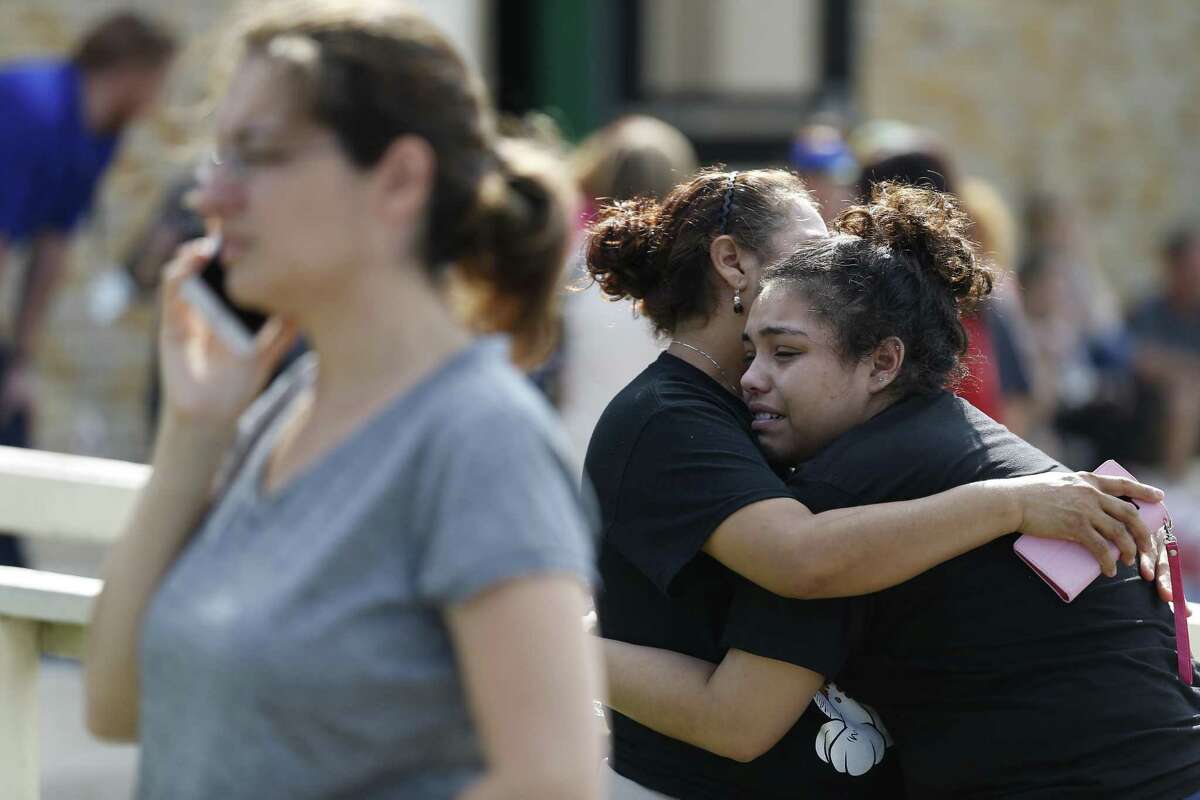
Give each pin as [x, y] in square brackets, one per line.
[297, 648]
[1156, 322]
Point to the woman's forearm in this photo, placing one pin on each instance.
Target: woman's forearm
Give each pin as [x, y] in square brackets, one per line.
[863, 550]
[785, 549]
[661, 689]
[167, 510]
[738, 709]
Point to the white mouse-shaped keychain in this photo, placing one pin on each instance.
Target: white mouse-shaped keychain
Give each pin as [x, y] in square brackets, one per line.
[855, 739]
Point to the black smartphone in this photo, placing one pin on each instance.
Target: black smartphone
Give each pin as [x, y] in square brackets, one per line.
[206, 292]
[214, 277]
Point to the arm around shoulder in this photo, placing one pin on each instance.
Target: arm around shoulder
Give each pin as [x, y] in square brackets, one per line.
[738, 709]
[791, 552]
[785, 548]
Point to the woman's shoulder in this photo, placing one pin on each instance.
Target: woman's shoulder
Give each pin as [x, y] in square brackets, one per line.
[481, 394]
[921, 446]
[664, 395]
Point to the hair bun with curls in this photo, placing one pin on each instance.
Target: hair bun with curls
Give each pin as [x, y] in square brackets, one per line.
[623, 249]
[929, 227]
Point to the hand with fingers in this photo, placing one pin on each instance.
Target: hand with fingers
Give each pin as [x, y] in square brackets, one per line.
[1088, 509]
[205, 381]
[1162, 579]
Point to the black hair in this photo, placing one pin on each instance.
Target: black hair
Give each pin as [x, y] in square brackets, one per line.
[900, 266]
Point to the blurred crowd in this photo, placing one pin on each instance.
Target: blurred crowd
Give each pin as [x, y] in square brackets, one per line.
[1056, 355]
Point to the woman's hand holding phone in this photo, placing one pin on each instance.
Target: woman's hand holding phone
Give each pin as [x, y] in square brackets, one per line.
[207, 380]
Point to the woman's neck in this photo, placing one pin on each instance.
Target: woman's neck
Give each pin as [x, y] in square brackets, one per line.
[718, 350]
[377, 338]
[878, 404]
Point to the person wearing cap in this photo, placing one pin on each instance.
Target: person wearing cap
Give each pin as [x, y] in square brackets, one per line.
[824, 162]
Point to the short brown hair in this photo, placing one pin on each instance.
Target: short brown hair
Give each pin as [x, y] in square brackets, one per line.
[124, 39]
[635, 156]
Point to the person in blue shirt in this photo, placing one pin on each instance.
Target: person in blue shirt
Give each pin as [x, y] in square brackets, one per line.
[60, 126]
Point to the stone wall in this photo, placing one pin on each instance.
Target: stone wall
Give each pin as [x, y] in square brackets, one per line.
[1098, 99]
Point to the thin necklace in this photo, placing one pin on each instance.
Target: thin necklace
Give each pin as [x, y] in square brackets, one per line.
[728, 383]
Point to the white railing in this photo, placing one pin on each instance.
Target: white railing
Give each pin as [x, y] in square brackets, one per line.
[52, 496]
[48, 496]
[41, 613]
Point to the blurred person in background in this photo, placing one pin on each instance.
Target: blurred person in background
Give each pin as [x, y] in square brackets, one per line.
[823, 160]
[61, 122]
[1085, 369]
[605, 343]
[1166, 335]
[369, 583]
[173, 223]
[1082, 346]
[1028, 400]
[1058, 225]
[547, 371]
[634, 156]
[998, 370]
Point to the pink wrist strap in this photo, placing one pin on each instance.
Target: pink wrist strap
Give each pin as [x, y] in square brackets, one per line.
[1183, 646]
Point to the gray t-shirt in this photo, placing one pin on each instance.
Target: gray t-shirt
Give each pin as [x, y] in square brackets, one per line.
[297, 647]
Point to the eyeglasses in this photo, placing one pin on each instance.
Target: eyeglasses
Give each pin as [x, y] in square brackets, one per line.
[240, 162]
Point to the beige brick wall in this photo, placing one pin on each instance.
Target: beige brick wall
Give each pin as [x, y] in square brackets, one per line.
[1096, 98]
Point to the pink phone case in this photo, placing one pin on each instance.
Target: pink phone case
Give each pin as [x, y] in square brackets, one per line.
[1069, 568]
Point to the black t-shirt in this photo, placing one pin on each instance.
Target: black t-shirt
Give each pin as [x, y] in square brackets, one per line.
[992, 686]
[670, 459]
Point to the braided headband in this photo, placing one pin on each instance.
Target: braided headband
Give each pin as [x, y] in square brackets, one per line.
[728, 204]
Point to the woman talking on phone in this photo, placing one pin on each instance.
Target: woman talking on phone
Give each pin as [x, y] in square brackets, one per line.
[369, 584]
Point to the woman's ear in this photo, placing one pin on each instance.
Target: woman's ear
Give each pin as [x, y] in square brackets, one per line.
[886, 361]
[403, 178]
[729, 262]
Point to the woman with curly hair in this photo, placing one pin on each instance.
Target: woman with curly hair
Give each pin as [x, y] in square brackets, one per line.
[988, 684]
